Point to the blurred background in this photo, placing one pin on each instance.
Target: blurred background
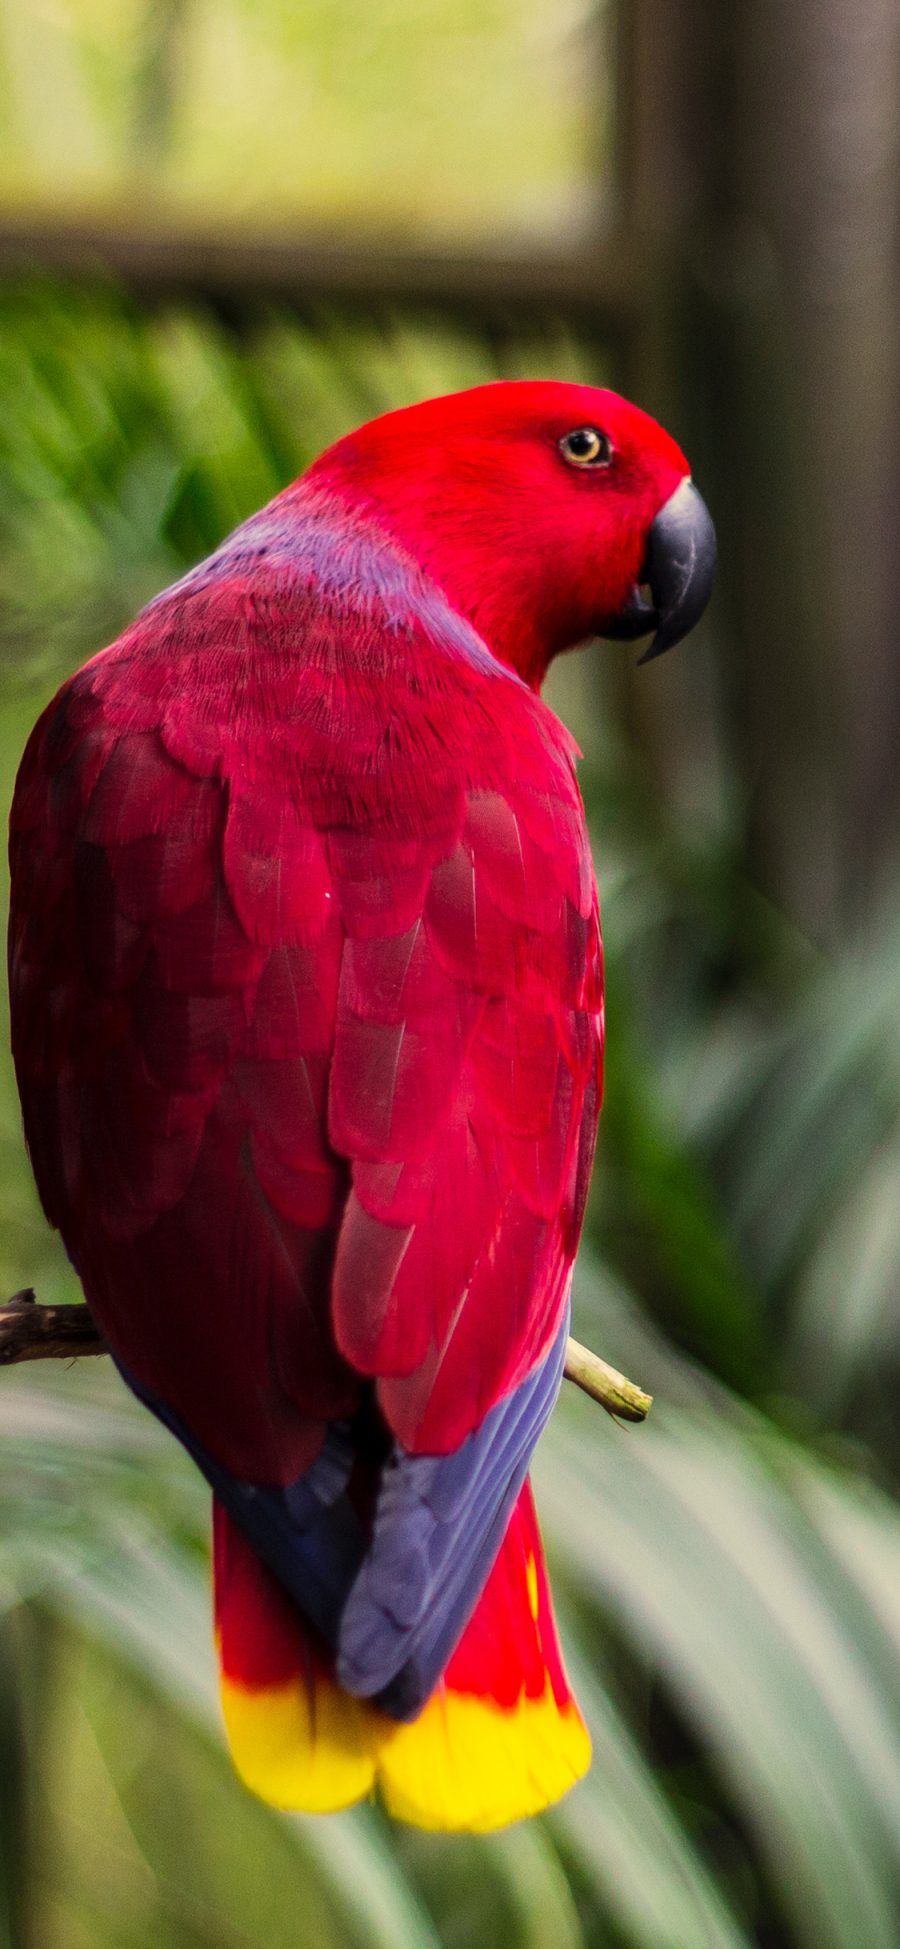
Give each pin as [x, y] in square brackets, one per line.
[229, 230]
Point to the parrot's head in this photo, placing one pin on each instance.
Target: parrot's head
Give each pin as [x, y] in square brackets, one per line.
[548, 513]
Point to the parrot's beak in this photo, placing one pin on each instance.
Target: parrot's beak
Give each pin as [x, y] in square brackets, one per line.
[678, 569]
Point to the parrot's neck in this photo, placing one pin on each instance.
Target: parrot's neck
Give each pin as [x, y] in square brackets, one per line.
[496, 600]
[357, 556]
[351, 560]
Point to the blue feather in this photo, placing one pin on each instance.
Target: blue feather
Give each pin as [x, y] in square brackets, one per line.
[439, 1522]
[392, 1599]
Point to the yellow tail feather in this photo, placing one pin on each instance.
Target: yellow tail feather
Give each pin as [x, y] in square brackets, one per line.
[465, 1763]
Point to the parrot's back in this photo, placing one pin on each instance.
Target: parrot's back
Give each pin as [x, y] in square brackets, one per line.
[306, 992]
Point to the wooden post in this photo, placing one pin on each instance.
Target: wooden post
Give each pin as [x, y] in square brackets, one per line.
[765, 150]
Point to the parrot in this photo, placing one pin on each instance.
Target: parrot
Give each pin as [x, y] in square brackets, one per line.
[307, 1020]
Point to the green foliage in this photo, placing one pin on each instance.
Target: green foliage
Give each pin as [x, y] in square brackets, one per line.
[729, 1574]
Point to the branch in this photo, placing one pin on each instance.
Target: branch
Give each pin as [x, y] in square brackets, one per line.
[620, 1397]
[32, 1332]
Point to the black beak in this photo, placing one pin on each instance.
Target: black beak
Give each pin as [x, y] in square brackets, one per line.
[678, 567]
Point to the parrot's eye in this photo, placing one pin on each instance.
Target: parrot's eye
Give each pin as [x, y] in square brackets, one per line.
[586, 447]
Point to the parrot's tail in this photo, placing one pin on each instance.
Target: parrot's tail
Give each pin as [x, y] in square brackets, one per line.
[501, 1737]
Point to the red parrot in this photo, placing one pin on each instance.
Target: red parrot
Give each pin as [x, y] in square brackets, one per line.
[306, 991]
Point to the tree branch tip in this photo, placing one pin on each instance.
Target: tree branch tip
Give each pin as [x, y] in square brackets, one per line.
[621, 1398]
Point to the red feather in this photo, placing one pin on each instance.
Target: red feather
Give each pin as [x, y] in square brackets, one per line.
[305, 958]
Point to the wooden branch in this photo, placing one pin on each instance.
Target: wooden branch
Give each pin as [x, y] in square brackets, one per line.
[32, 1332]
[620, 1397]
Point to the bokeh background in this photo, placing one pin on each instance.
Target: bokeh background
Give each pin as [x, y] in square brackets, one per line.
[229, 229]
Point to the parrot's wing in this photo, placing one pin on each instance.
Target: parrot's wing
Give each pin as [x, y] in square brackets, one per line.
[464, 1089]
[173, 1055]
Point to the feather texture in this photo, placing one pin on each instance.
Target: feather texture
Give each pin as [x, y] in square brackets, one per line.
[307, 1044]
[306, 989]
